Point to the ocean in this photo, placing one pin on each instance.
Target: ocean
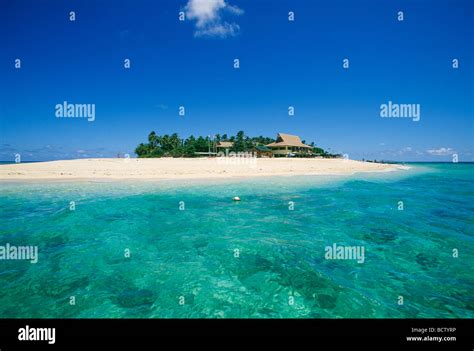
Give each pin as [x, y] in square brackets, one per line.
[184, 249]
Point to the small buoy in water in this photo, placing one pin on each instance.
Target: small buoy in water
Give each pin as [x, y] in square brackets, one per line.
[236, 198]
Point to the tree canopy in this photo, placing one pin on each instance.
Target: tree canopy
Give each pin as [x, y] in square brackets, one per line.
[174, 146]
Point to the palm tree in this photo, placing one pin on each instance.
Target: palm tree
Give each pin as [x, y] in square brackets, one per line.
[166, 143]
[239, 144]
[152, 138]
[142, 150]
[201, 144]
[175, 141]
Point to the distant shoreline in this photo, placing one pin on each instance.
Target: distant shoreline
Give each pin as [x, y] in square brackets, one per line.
[184, 168]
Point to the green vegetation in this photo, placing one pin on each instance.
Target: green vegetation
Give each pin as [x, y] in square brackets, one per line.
[174, 146]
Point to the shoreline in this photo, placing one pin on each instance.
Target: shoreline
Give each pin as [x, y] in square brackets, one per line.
[157, 169]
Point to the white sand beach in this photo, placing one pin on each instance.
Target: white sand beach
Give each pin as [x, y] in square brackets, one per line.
[183, 168]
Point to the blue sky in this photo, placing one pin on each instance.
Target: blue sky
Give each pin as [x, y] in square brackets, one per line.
[282, 63]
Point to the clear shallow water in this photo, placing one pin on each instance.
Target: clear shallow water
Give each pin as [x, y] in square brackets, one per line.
[190, 253]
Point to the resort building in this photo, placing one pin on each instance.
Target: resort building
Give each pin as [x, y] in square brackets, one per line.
[224, 146]
[262, 151]
[289, 145]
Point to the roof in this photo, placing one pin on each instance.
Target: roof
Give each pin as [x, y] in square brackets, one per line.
[262, 148]
[288, 140]
[225, 144]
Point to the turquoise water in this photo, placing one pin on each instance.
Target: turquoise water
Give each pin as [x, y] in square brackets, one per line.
[189, 255]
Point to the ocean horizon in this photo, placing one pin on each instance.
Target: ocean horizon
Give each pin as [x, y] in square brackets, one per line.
[184, 249]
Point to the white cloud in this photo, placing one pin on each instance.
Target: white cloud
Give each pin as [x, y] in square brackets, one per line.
[405, 150]
[442, 151]
[221, 30]
[235, 10]
[208, 17]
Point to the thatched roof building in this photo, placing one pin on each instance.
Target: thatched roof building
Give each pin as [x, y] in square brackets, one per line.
[287, 144]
